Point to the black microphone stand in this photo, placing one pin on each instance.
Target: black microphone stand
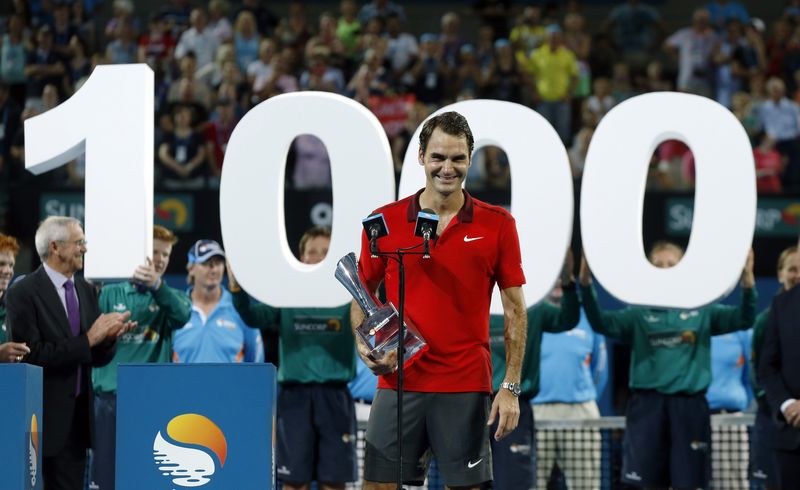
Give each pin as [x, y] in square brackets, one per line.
[397, 256]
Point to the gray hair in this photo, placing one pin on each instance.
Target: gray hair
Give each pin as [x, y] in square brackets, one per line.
[53, 229]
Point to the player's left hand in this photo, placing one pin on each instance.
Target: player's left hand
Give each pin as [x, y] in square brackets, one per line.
[506, 406]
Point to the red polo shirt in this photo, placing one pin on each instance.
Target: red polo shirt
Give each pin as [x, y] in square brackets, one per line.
[448, 295]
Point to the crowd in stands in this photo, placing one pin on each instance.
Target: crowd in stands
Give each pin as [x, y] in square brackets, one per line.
[214, 61]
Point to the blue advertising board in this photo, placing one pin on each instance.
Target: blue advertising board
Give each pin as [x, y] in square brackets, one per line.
[209, 426]
[21, 426]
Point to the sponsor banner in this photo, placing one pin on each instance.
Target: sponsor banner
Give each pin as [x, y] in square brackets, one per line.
[775, 217]
[62, 204]
[188, 426]
[21, 426]
[174, 211]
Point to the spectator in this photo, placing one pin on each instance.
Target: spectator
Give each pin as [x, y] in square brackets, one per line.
[157, 310]
[469, 76]
[79, 66]
[312, 166]
[764, 463]
[198, 39]
[262, 66]
[402, 49]
[494, 13]
[123, 12]
[265, 19]
[123, 48]
[528, 34]
[320, 75]
[601, 100]
[730, 393]
[430, 72]
[327, 39]
[9, 351]
[722, 11]
[43, 66]
[735, 60]
[694, 46]
[555, 74]
[635, 30]
[157, 46]
[744, 111]
[246, 39]
[372, 78]
[450, 39]
[579, 42]
[781, 121]
[316, 416]
[182, 154]
[778, 371]
[10, 114]
[654, 79]
[218, 21]
[63, 30]
[293, 30]
[280, 79]
[504, 80]
[580, 144]
[12, 59]
[574, 371]
[215, 331]
[188, 89]
[381, 9]
[670, 371]
[217, 134]
[348, 28]
[769, 166]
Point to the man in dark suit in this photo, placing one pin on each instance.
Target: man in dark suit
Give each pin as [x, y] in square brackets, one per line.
[779, 373]
[56, 314]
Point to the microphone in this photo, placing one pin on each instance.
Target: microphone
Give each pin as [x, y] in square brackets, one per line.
[375, 227]
[427, 222]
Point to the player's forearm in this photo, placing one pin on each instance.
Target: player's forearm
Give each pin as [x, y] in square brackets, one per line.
[516, 331]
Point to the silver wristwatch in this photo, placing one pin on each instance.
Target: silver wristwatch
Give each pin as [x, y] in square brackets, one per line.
[514, 388]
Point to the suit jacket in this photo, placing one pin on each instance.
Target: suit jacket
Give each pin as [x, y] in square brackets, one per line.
[779, 366]
[37, 316]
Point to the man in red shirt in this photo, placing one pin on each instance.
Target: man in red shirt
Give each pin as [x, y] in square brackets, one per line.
[448, 387]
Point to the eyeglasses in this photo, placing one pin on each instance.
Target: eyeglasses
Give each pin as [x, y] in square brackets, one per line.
[77, 243]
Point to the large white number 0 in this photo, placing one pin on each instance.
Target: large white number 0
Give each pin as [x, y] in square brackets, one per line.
[111, 119]
[251, 193]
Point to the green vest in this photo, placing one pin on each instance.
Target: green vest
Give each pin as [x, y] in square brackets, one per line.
[670, 349]
[157, 314]
[543, 317]
[315, 345]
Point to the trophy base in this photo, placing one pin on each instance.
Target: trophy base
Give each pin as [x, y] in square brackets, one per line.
[381, 331]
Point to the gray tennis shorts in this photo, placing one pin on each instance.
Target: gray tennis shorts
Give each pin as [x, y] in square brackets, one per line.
[450, 426]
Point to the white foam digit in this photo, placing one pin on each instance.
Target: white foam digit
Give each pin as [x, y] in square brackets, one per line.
[541, 184]
[111, 119]
[252, 193]
[613, 190]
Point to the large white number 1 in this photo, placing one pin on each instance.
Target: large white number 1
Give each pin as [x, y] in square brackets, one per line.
[111, 119]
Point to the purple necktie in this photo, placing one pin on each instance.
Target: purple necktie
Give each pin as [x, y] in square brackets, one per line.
[74, 317]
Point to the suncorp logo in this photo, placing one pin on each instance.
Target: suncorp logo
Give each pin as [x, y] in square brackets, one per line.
[33, 451]
[188, 456]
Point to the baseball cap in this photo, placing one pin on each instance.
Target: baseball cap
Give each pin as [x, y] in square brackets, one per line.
[203, 250]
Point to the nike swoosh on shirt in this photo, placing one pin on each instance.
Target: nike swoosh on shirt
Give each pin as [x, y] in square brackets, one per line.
[470, 464]
[468, 239]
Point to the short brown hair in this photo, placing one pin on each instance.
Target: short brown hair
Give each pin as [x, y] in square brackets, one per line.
[313, 232]
[781, 259]
[451, 123]
[665, 245]
[161, 233]
[9, 244]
